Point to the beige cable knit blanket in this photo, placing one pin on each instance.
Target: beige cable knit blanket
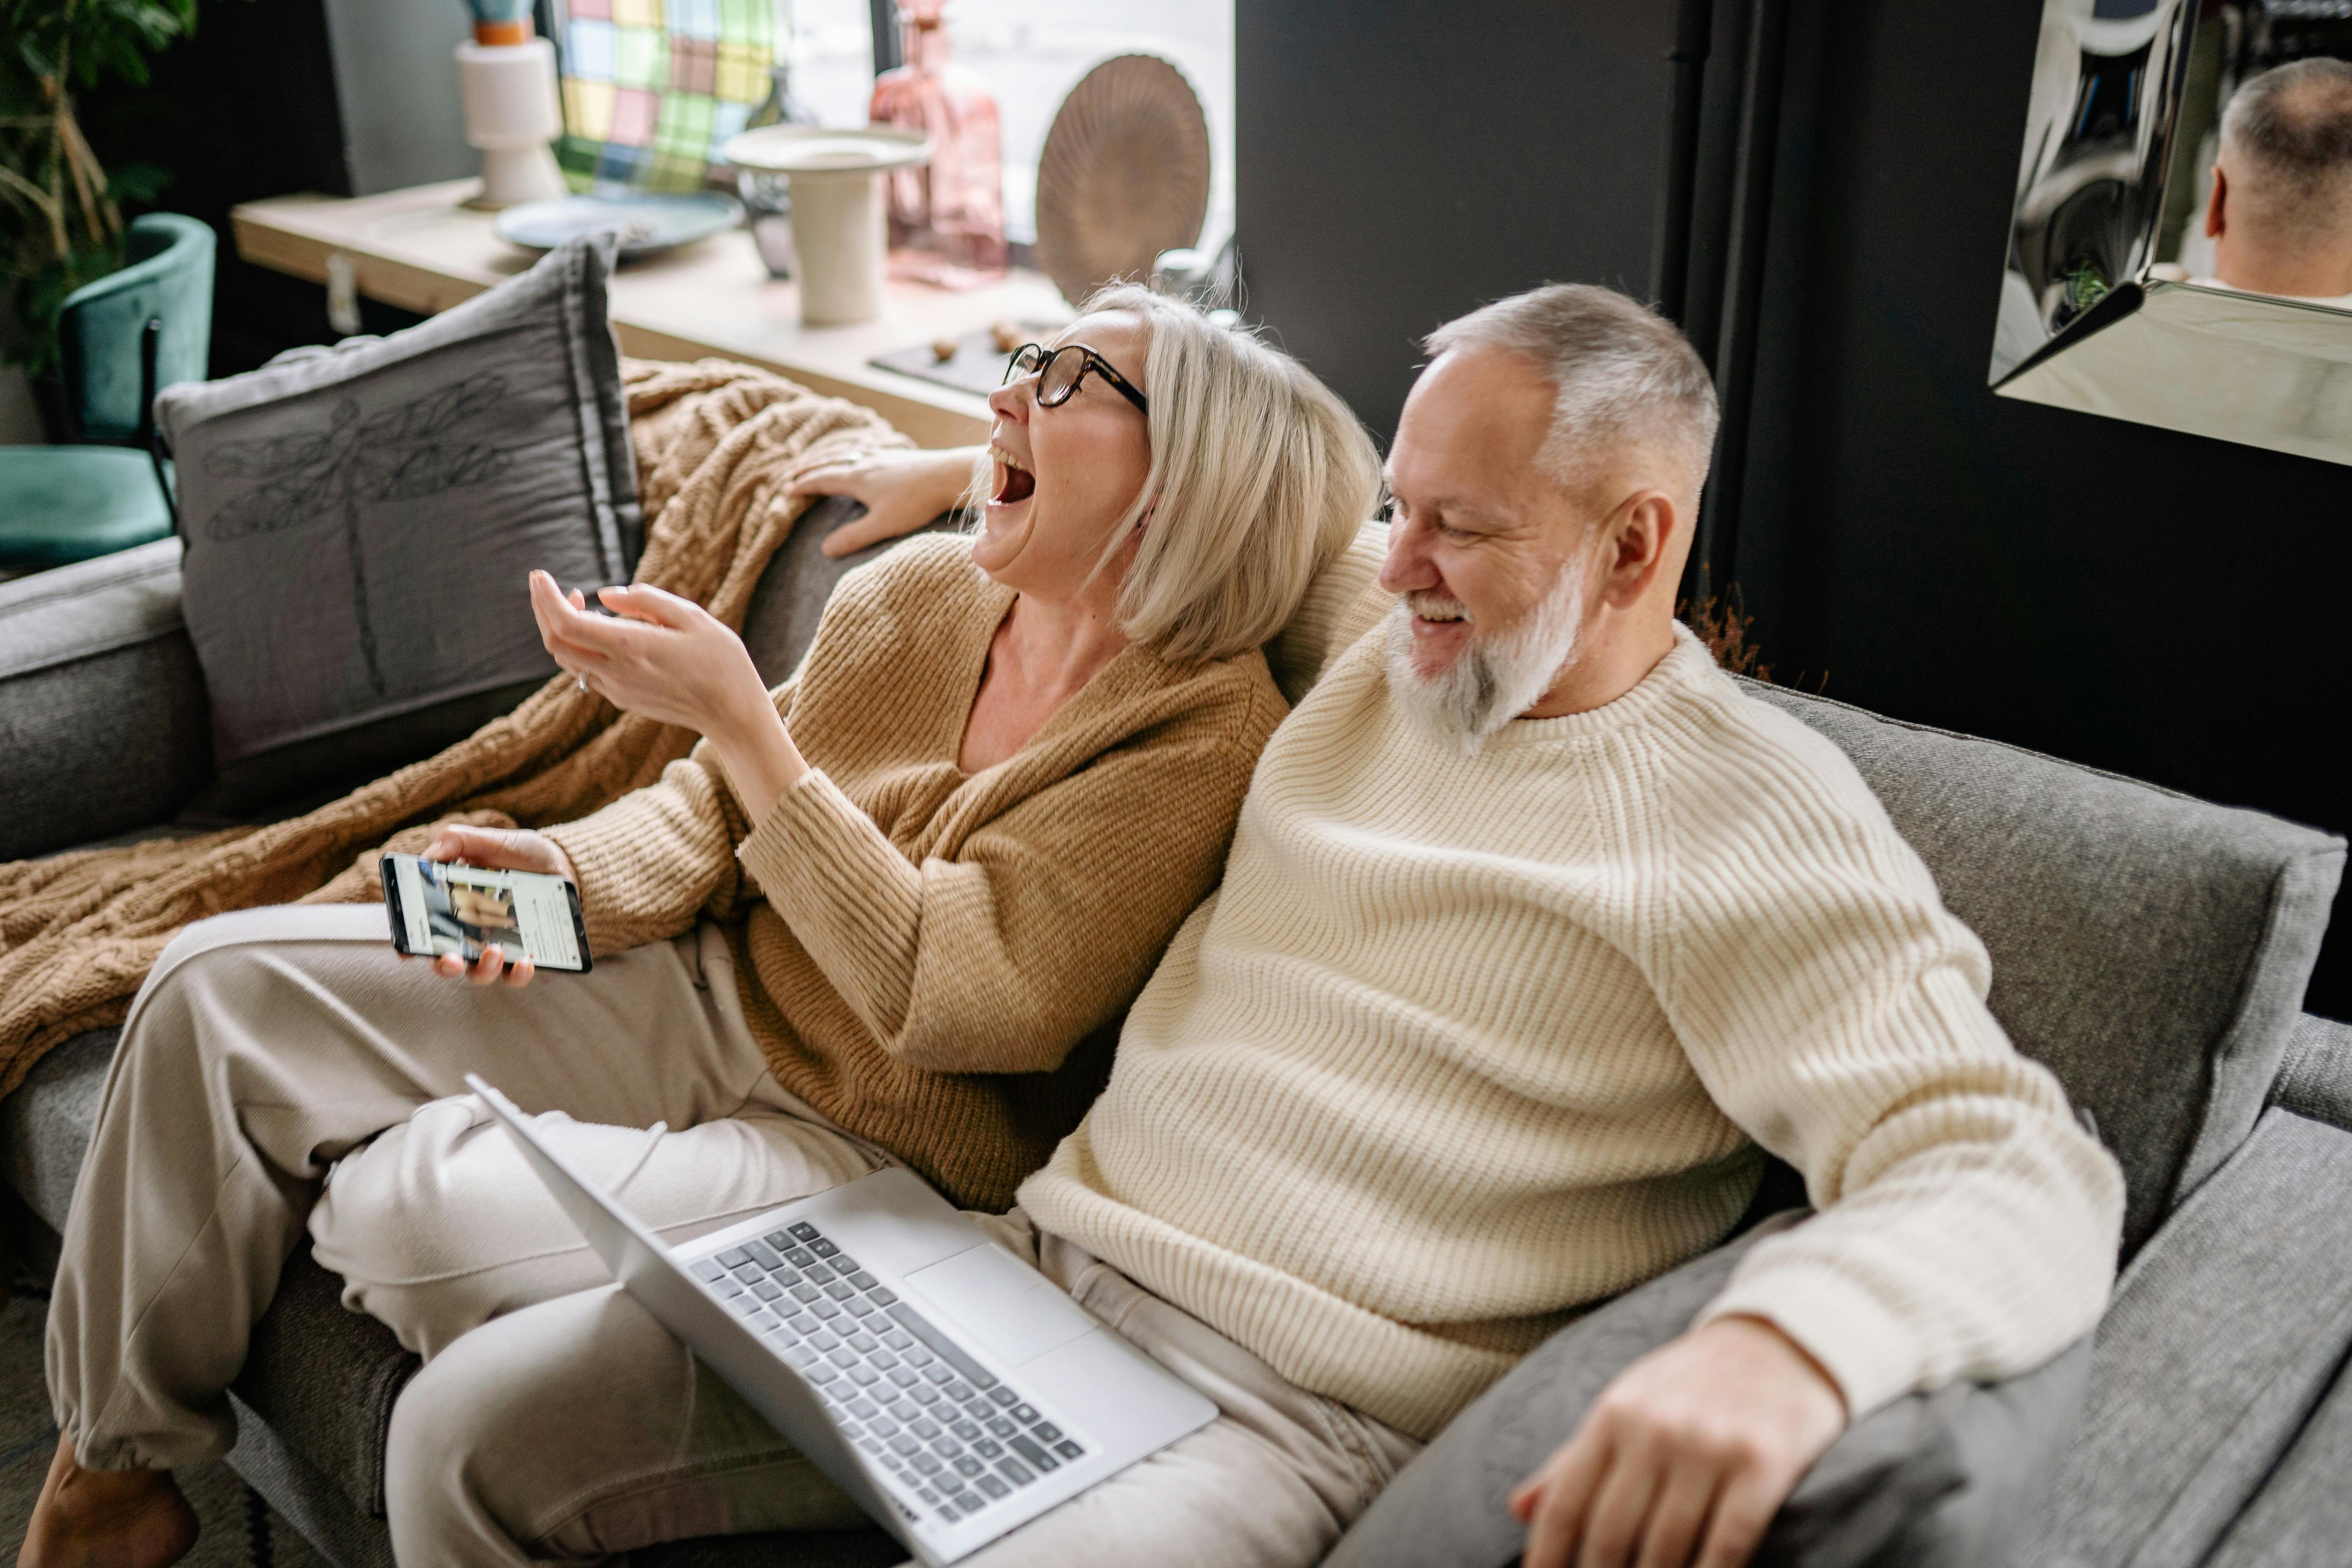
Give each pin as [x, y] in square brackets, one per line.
[716, 444]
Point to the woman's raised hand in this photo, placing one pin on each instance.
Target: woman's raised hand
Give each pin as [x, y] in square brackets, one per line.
[902, 490]
[670, 660]
[499, 849]
[665, 658]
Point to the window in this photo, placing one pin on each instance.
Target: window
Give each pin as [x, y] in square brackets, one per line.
[651, 89]
[1030, 53]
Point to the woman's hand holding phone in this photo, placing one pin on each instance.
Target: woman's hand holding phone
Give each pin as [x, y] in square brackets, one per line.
[497, 849]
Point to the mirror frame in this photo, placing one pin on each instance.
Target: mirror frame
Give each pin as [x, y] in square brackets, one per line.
[2084, 321]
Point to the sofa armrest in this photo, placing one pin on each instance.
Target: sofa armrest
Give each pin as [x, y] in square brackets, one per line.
[2315, 1077]
[102, 711]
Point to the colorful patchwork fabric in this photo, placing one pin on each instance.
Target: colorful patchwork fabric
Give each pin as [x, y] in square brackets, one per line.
[652, 87]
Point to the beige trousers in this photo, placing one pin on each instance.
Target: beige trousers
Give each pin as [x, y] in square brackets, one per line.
[554, 1420]
[270, 1045]
[578, 1428]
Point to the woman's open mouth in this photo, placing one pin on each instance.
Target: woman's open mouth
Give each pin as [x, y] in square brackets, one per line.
[1013, 483]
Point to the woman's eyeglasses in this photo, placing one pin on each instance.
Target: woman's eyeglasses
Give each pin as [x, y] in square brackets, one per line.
[1059, 371]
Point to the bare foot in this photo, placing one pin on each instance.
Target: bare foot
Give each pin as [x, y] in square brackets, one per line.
[105, 1519]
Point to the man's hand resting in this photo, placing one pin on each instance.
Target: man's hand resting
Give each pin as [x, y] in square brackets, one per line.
[1686, 1456]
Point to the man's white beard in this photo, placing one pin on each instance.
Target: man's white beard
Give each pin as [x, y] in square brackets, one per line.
[1495, 678]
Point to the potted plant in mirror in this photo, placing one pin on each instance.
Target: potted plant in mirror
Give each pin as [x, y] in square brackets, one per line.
[60, 213]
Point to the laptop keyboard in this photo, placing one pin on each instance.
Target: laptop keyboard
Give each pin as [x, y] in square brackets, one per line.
[953, 1435]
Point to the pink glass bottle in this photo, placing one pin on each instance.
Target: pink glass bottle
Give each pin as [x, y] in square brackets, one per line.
[947, 220]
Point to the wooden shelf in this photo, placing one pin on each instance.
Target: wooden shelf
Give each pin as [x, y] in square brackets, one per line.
[422, 249]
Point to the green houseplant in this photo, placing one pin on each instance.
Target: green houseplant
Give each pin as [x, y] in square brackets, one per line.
[60, 213]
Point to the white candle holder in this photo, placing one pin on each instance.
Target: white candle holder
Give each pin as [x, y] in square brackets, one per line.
[837, 217]
[511, 114]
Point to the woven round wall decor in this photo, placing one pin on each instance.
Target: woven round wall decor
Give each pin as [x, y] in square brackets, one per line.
[1125, 175]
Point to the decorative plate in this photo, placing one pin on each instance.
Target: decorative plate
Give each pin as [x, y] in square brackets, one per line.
[1125, 175]
[649, 223]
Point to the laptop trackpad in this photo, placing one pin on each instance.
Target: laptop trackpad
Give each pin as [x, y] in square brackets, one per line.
[1010, 1308]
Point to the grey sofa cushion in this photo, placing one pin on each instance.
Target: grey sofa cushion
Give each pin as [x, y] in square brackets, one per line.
[316, 1507]
[1930, 1481]
[45, 1125]
[2303, 1515]
[2151, 949]
[103, 718]
[359, 520]
[2223, 1336]
[325, 1379]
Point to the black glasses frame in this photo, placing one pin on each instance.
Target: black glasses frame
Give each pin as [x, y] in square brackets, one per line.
[1044, 359]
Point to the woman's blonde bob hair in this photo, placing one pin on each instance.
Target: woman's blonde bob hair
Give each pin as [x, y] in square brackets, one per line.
[1260, 478]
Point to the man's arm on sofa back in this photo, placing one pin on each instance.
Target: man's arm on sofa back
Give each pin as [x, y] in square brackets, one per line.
[103, 724]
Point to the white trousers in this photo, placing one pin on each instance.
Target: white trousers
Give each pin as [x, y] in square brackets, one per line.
[270, 1045]
[554, 1420]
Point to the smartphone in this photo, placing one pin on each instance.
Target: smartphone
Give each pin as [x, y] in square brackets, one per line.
[438, 907]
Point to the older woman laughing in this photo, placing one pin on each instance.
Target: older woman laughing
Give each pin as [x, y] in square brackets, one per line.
[892, 910]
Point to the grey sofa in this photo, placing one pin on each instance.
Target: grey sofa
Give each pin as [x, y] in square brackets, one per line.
[2151, 949]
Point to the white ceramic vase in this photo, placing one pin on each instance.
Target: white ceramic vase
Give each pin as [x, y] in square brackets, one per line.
[511, 114]
[837, 216]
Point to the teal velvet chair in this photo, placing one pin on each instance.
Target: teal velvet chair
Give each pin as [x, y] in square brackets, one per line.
[123, 337]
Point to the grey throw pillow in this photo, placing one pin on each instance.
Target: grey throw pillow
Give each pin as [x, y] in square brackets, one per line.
[359, 520]
[1938, 1480]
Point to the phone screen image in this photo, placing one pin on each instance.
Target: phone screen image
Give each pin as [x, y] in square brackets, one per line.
[438, 908]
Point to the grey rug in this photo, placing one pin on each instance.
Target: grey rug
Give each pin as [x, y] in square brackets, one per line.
[229, 1517]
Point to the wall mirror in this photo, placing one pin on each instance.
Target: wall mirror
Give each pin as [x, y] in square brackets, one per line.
[2181, 248]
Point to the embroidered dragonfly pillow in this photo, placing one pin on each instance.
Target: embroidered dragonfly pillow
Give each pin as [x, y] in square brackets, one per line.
[359, 521]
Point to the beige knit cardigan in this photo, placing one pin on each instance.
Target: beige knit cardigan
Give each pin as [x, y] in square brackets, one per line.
[938, 960]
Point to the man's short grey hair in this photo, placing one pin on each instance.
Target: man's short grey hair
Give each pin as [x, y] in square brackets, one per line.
[1623, 373]
[2294, 126]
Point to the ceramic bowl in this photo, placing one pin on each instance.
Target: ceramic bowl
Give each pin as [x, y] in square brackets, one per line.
[649, 222]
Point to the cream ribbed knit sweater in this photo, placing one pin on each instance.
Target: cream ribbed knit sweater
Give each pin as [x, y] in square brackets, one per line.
[930, 957]
[1461, 1045]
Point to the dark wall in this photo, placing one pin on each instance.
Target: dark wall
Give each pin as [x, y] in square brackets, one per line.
[2151, 602]
[1403, 160]
[243, 109]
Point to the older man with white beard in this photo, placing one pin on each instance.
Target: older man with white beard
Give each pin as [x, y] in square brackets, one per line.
[1534, 934]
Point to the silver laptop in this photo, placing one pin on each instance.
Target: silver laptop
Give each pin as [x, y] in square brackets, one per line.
[952, 1390]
